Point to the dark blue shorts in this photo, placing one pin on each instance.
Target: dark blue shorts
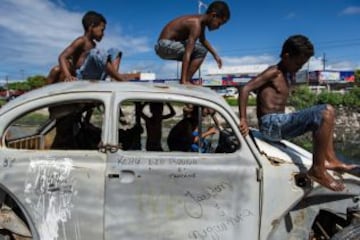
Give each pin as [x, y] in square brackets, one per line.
[277, 126]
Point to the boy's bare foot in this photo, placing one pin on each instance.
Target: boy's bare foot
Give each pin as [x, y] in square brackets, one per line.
[338, 166]
[326, 180]
[186, 83]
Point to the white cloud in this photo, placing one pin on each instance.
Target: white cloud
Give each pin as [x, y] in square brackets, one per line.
[313, 64]
[352, 10]
[168, 69]
[343, 65]
[34, 32]
[172, 69]
[210, 65]
[317, 64]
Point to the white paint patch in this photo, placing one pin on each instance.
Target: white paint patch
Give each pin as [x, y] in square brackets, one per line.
[49, 189]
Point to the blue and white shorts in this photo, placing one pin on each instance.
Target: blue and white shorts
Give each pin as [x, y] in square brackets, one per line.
[277, 126]
[94, 65]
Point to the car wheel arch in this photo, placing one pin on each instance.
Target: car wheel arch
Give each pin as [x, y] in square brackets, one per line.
[11, 208]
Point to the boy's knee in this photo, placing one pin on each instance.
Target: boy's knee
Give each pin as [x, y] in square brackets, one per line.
[330, 109]
[55, 70]
[54, 75]
[329, 112]
[114, 54]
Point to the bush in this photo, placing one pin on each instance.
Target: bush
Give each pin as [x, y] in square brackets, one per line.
[302, 97]
[335, 99]
[352, 98]
[234, 101]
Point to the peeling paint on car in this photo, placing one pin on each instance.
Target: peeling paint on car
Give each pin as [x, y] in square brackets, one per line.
[49, 191]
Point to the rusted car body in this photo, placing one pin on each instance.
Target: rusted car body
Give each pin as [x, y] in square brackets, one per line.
[75, 164]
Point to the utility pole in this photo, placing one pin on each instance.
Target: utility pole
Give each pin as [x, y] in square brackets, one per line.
[323, 61]
[7, 86]
[308, 70]
[7, 81]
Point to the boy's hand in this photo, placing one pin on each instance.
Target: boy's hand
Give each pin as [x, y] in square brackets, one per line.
[244, 128]
[70, 78]
[219, 61]
[213, 130]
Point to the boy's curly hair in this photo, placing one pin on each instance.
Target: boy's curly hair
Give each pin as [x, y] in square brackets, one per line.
[221, 8]
[297, 45]
[92, 18]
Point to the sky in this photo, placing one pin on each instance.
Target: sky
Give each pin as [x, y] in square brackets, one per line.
[34, 32]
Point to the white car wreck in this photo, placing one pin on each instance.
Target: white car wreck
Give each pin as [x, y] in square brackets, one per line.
[82, 160]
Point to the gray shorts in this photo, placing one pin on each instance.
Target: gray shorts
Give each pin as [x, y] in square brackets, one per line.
[174, 50]
[279, 126]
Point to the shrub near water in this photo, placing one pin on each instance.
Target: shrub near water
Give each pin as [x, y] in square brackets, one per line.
[234, 101]
[352, 98]
[302, 97]
[333, 98]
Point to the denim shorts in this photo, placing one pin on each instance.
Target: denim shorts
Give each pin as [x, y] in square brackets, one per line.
[94, 65]
[174, 50]
[277, 126]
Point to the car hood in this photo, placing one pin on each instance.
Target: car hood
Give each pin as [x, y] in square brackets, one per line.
[282, 151]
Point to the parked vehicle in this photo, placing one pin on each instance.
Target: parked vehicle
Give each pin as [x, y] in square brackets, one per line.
[231, 92]
[74, 165]
[227, 92]
[10, 94]
[221, 91]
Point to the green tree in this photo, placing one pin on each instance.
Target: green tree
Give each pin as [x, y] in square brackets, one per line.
[36, 81]
[23, 86]
[31, 83]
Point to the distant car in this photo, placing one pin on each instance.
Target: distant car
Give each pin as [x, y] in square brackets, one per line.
[10, 94]
[75, 165]
[231, 92]
[221, 91]
[227, 92]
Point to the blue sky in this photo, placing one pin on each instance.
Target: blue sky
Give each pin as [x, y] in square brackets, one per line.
[34, 32]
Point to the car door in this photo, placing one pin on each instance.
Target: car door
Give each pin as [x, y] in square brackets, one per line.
[58, 182]
[181, 195]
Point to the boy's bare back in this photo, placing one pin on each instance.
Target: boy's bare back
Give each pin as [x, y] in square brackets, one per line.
[180, 29]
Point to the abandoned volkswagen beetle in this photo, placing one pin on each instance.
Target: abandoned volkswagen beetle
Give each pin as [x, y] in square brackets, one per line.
[108, 160]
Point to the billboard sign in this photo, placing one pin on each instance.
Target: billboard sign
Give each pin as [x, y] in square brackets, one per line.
[329, 76]
[347, 76]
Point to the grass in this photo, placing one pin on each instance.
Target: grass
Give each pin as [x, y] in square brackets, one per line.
[2, 102]
[31, 119]
[234, 101]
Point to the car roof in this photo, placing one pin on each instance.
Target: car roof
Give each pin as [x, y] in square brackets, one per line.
[115, 87]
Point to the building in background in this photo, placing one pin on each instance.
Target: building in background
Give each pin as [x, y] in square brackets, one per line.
[232, 76]
[331, 77]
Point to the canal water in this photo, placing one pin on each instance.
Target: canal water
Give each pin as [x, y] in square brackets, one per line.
[348, 153]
